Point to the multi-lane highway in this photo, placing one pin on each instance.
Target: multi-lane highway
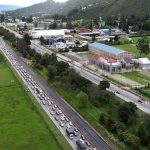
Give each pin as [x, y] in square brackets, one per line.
[84, 128]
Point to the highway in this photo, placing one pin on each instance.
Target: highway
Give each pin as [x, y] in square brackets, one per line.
[90, 134]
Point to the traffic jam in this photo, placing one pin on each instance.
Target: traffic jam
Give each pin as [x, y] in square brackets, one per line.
[54, 110]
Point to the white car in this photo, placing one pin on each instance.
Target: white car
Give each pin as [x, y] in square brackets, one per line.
[62, 118]
[51, 112]
[68, 126]
[49, 103]
[70, 123]
[61, 124]
[60, 112]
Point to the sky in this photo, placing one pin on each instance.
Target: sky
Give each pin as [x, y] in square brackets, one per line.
[24, 2]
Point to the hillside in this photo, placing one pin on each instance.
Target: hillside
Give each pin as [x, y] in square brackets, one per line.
[115, 7]
[48, 7]
[90, 8]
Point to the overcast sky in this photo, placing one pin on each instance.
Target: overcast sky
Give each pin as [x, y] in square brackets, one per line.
[24, 2]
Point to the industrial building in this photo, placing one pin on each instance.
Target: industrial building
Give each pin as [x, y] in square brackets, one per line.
[109, 51]
[111, 65]
[36, 34]
[144, 63]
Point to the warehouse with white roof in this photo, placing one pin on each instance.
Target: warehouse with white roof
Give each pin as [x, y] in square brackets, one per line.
[144, 63]
[36, 34]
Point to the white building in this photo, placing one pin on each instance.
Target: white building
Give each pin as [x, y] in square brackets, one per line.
[47, 33]
[144, 63]
[60, 45]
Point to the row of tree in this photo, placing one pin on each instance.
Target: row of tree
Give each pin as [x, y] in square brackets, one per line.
[124, 23]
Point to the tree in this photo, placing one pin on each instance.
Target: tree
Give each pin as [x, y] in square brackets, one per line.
[45, 61]
[35, 24]
[52, 72]
[53, 26]
[82, 99]
[22, 46]
[61, 67]
[103, 118]
[23, 19]
[124, 24]
[104, 85]
[93, 38]
[127, 112]
[38, 58]
[143, 45]
[69, 25]
[143, 134]
[27, 39]
[132, 141]
[42, 40]
[110, 124]
[2, 18]
[116, 38]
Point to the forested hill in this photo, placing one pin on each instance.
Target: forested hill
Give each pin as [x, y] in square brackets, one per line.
[90, 8]
[48, 7]
[115, 7]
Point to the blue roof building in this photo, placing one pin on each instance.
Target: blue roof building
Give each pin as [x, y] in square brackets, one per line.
[109, 51]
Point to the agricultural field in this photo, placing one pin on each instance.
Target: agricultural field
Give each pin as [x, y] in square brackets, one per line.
[145, 92]
[132, 47]
[23, 124]
[137, 76]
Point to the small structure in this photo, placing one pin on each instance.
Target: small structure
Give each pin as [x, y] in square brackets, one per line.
[109, 51]
[144, 63]
[82, 30]
[60, 45]
[68, 38]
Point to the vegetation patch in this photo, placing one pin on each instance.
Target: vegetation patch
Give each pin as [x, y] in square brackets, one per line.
[131, 47]
[138, 77]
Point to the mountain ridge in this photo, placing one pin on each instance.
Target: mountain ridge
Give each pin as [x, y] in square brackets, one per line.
[92, 8]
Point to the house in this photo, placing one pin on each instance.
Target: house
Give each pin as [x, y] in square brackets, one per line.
[109, 51]
[68, 38]
[144, 63]
[127, 62]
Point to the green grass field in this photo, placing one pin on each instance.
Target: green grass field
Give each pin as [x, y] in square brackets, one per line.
[138, 77]
[132, 47]
[145, 92]
[23, 124]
